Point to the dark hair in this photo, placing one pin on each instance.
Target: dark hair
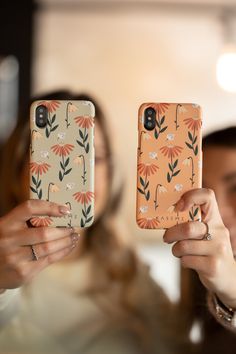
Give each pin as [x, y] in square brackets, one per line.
[215, 338]
[223, 137]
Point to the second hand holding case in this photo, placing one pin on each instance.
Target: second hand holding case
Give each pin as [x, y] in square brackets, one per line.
[169, 163]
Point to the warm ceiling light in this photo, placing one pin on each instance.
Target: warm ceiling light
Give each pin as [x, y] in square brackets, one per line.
[226, 70]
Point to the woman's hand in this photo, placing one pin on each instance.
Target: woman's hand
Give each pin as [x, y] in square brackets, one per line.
[213, 260]
[50, 244]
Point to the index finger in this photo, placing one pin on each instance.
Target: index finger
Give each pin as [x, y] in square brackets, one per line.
[194, 230]
[30, 208]
[205, 198]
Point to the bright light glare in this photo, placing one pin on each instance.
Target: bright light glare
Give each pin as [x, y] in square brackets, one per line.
[226, 71]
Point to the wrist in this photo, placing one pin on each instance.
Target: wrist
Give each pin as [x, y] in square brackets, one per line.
[227, 292]
[231, 304]
[228, 300]
[2, 291]
[223, 313]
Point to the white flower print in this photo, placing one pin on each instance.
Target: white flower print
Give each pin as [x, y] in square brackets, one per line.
[70, 186]
[143, 209]
[44, 154]
[178, 187]
[170, 137]
[153, 155]
[72, 108]
[182, 109]
[61, 136]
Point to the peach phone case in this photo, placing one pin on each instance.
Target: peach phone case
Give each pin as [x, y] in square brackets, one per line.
[169, 164]
[62, 161]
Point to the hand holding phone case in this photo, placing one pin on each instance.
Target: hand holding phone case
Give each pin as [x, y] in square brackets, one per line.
[62, 161]
[169, 164]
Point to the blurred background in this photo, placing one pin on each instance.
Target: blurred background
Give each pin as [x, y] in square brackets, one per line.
[123, 53]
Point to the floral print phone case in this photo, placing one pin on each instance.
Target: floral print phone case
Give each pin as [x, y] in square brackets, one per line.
[169, 164]
[62, 161]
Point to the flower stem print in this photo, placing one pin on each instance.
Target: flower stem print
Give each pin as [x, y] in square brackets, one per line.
[67, 114]
[171, 152]
[37, 169]
[49, 185]
[37, 184]
[52, 187]
[159, 189]
[84, 122]
[179, 109]
[193, 124]
[70, 107]
[63, 151]
[159, 124]
[188, 162]
[145, 170]
[192, 213]
[70, 216]
[84, 198]
[35, 135]
[80, 160]
[139, 142]
[50, 127]
[52, 107]
[172, 210]
[144, 187]
[176, 115]
[84, 169]
[160, 108]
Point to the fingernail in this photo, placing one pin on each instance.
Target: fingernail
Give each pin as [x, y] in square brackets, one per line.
[64, 210]
[180, 205]
[165, 240]
[75, 238]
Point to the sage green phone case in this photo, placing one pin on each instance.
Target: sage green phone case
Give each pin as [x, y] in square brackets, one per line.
[62, 161]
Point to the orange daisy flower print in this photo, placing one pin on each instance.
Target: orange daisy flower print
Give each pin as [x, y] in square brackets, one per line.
[171, 151]
[159, 107]
[84, 121]
[51, 105]
[148, 223]
[147, 169]
[193, 123]
[62, 150]
[162, 107]
[84, 197]
[39, 168]
[41, 221]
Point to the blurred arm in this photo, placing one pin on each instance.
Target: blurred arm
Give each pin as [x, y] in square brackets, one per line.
[8, 304]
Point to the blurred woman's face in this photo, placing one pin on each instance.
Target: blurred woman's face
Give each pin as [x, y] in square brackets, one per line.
[101, 175]
[219, 174]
